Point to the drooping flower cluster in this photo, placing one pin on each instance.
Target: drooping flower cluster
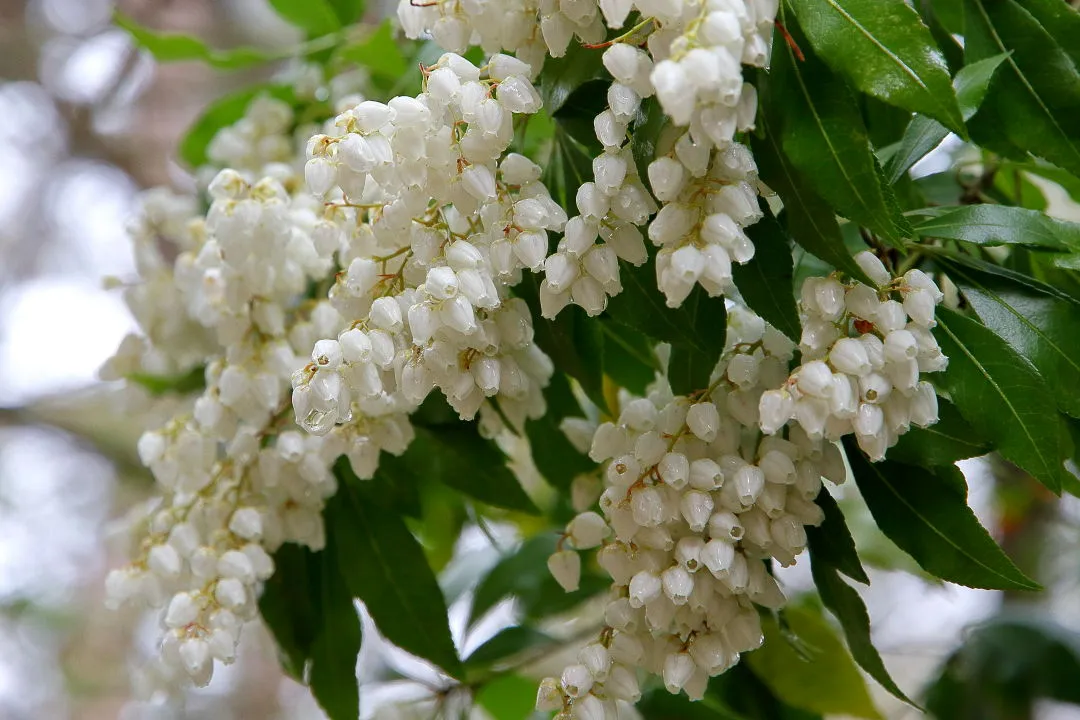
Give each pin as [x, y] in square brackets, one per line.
[697, 501]
[446, 222]
[863, 353]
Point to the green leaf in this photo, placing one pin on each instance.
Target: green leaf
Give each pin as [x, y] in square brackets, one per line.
[457, 456]
[1043, 329]
[1000, 225]
[926, 514]
[289, 605]
[385, 567]
[883, 48]
[348, 11]
[822, 133]
[562, 76]
[766, 282]
[924, 133]
[629, 359]
[831, 542]
[1003, 397]
[506, 643]
[828, 683]
[509, 697]
[845, 604]
[332, 673]
[316, 17]
[193, 380]
[379, 53]
[806, 215]
[1034, 100]
[177, 47]
[523, 574]
[555, 457]
[221, 113]
[948, 440]
[647, 127]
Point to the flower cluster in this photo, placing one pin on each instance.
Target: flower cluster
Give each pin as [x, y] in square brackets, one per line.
[863, 353]
[697, 501]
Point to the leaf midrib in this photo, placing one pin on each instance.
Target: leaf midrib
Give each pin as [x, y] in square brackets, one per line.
[888, 53]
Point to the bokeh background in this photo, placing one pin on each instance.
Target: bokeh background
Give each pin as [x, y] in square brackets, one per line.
[86, 123]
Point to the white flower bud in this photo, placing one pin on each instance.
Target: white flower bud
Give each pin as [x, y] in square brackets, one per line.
[644, 586]
[565, 567]
[696, 507]
[678, 584]
[688, 552]
[919, 305]
[320, 174]
[678, 668]
[622, 682]
[848, 355]
[576, 681]
[814, 378]
[230, 593]
[164, 561]
[705, 475]
[587, 530]
[924, 405]
[595, 657]
[725, 526]
[674, 470]
[649, 448]
[647, 507]
[703, 419]
[182, 611]
[873, 268]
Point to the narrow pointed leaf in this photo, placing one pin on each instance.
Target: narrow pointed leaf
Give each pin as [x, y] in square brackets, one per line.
[176, 47]
[845, 604]
[945, 442]
[884, 49]
[831, 542]
[926, 514]
[556, 459]
[1001, 225]
[385, 567]
[316, 17]
[822, 132]
[220, 113]
[766, 282]
[332, 674]
[1003, 397]
[1034, 100]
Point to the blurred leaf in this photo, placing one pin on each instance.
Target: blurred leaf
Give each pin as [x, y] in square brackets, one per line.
[506, 643]
[509, 697]
[1004, 667]
[766, 282]
[1034, 99]
[883, 48]
[924, 133]
[177, 47]
[289, 605]
[948, 440]
[386, 568]
[524, 575]
[379, 53]
[831, 542]
[828, 683]
[806, 215]
[192, 381]
[316, 17]
[926, 514]
[1000, 225]
[629, 359]
[1041, 328]
[822, 134]
[348, 11]
[1003, 397]
[844, 602]
[223, 112]
[553, 454]
[457, 456]
[332, 673]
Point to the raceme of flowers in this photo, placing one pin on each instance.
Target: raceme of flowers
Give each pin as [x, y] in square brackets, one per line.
[341, 272]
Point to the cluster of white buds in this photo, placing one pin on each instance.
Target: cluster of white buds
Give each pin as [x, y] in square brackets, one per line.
[441, 221]
[863, 351]
[697, 502]
[258, 139]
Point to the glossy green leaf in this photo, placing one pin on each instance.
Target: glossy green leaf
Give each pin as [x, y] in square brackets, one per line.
[459, 457]
[177, 47]
[523, 574]
[822, 133]
[385, 567]
[828, 682]
[221, 113]
[553, 454]
[315, 17]
[884, 49]
[806, 215]
[629, 359]
[831, 542]
[332, 673]
[1043, 329]
[924, 133]
[289, 605]
[379, 53]
[647, 127]
[766, 282]
[1034, 99]
[1003, 397]
[926, 514]
[1000, 225]
[845, 604]
[507, 643]
[945, 442]
[562, 76]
